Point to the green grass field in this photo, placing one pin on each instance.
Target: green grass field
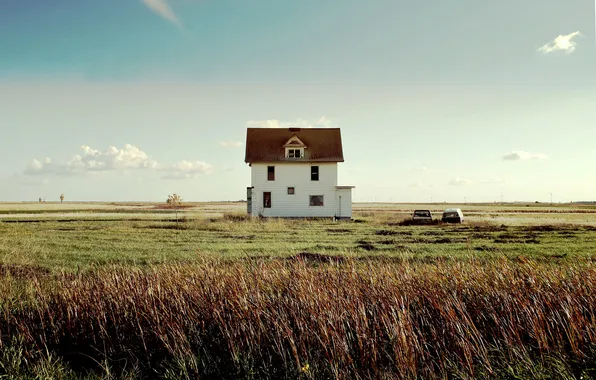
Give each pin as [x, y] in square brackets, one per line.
[147, 235]
[124, 290]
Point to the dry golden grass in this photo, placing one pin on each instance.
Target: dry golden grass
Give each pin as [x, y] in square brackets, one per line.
[299, 318]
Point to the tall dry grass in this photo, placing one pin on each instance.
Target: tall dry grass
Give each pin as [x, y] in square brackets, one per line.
[272, 319]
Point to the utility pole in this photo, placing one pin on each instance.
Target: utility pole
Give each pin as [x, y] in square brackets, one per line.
[501, 197]
[551, 198]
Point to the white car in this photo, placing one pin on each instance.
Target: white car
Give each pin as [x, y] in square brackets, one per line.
[453, 215]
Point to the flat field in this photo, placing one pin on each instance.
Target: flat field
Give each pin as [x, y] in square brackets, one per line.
[138, 290]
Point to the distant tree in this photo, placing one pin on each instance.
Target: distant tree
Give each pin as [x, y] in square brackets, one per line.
[174, 200]
[39, 199]
[61, 198]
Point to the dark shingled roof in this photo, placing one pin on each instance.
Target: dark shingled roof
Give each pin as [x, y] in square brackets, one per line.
[267, 144]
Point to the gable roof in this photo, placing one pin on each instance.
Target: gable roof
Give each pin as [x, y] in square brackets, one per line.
[267, 144]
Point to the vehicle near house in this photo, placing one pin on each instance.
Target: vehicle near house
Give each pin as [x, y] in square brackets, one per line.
[452, 215]
[294, 173]
[422, 217]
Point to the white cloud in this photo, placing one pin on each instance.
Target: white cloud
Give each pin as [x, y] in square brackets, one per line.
[163, 9]
[231, 144]
[322, 122]
[129, 157]
[564, 43]
[521, 155]
[187, 169]
[458, 181]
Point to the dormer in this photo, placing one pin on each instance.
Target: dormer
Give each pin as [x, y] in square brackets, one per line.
[294, 148]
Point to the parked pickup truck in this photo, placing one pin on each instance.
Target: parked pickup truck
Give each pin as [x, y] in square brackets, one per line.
[422, 217]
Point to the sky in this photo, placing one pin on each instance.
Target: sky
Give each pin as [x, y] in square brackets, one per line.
[459, 101]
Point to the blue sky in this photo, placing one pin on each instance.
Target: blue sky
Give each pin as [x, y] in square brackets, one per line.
[133, 100]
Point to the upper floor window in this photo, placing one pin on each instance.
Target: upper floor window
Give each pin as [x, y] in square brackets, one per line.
[314, 173]
[270, 173]
[294, 153]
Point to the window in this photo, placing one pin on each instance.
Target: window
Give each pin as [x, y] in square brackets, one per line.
[267, 199]
[314, 173]
[290, 191]
[316, 200]
[270, 173]
[294, 153]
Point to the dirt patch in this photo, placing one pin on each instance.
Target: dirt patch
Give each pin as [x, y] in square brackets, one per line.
[410, 222]
[174, 226]
[385, 232]
[550, 228]
[431, 233]
[387, 242]
[23, 271]
[517, 239]
[485, 248]
[316, 257]
[240, 237]
[339, 230]
[326, 247]
[447, 240]
[367, 246]
[481, 236]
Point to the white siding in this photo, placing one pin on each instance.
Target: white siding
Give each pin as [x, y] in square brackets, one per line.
[344, 203]
[295, 175]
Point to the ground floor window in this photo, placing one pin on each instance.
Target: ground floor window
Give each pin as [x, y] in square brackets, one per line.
[267, 199]
[316, 200]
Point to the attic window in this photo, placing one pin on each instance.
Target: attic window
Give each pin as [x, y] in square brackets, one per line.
[294, 153]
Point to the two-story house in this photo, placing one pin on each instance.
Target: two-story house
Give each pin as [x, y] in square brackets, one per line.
[294, 173]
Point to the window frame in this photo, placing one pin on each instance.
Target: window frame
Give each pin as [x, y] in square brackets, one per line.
[291, 190]
[270, 173]
[320, 196]
[315, 172]
[267, 196]
[299, 151]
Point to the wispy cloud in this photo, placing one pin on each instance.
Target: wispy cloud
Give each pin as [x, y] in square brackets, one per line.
[522, 155]
[322, 122]
[163, 9]
[564, 43]
[458, 181]
[231, 144]
[127, 158]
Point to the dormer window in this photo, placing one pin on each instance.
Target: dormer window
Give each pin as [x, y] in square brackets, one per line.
[294, 152]
[294, 147]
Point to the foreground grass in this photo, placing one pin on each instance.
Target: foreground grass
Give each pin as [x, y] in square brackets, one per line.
[303, 317]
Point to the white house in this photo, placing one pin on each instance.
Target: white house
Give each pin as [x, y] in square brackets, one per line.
[294, 173]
